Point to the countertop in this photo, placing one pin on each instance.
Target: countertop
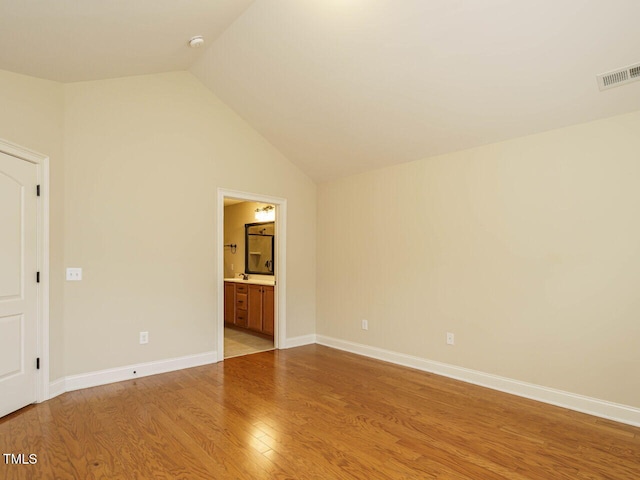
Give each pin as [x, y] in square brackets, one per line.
[255, 281]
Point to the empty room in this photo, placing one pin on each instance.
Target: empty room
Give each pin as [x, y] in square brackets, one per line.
[323, 239]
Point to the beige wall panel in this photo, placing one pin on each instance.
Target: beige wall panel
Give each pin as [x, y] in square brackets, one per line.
[527, 250]
[235, 218]
[144, 159]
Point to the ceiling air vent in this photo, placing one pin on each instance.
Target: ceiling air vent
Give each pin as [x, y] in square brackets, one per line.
[619, 77]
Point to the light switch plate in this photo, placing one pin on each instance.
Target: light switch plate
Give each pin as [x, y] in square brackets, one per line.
[74, 274]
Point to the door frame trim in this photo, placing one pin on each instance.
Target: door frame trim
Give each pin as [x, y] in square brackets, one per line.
[42, 328]
[280, 330]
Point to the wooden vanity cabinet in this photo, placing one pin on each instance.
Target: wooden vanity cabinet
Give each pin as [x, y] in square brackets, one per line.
[261, 308]
[229, 303]
[250, 306]
[255, 312]
[242, 303]
[268, 310]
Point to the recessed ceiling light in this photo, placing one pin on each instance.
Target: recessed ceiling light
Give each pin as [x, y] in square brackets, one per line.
[196, 42]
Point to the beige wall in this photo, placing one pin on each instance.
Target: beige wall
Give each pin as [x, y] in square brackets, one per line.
[31, 115]
[235, 218]
[144, 158]
[134, 204]
[527, 250]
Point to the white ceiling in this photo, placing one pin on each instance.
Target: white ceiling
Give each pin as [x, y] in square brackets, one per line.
[76, 40]
[343, 86]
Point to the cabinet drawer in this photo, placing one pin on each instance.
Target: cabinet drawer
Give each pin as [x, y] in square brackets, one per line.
[241, 288]
[241, 301]
[241, 318]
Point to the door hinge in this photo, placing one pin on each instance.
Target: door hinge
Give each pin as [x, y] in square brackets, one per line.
[38, 190]
[38, 363]
[37, 277]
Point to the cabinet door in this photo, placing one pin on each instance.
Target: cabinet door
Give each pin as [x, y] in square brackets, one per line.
[241, 318]
[255, 307]
[267, 310]
[229, 302]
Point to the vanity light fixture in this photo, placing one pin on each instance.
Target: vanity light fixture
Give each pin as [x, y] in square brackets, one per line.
[266, 214]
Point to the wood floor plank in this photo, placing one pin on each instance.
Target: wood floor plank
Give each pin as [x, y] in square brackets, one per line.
[311, 413]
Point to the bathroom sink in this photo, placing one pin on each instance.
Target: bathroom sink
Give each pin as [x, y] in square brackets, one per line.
[256, 281]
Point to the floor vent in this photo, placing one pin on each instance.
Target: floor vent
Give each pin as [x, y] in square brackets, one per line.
[619, 77]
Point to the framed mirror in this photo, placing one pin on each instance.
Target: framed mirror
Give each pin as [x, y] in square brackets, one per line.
[258, 252]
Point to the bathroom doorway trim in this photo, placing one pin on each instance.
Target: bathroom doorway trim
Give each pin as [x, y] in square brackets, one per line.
[280, 330]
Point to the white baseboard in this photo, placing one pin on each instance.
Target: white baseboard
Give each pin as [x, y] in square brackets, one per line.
[111, 375]
[572, 401]
[57, 387]
[300, 341]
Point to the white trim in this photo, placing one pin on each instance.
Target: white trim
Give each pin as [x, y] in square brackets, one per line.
[572, 401]
[44, 393]
[280, 339]
[42, 328]
[57, 387]
[111, 375]
[300, 341]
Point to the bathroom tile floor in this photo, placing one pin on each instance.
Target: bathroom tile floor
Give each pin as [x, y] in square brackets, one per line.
[237, 343]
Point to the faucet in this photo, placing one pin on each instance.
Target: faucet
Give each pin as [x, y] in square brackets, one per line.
[245, 276]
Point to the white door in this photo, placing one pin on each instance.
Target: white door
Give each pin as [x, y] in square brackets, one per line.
[18, 287]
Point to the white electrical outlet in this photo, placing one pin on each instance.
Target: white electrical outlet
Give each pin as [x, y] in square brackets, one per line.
[365, 324]
[144, 338]
[450, 338]
[74, 274]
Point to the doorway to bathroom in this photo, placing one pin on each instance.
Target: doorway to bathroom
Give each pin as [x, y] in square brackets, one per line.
[251, 273]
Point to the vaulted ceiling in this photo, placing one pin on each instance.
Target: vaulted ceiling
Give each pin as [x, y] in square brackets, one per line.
[76, 40]
[343, 86]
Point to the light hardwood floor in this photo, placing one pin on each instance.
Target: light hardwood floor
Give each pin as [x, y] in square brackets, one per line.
[237, 342]
[311, 413]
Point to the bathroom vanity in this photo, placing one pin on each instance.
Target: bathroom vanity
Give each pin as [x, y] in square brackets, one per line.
[249, 304]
